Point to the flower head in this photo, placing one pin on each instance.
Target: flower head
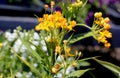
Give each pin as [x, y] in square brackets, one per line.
[46, 6]
[53, 21]
[57, 49]
[1, 45]
[55, 68]
[101, 28]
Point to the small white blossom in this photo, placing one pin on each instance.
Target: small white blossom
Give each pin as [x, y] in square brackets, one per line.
[35, 64]
[60, 58]
[19, 75]
[23, 49]
[70, 69]
[10, 36]
[43, 42]
[17, 45]
[29, 74]
[35, 42]
[36, 36]
[59, 75]
[44, 48]
[29, 57]
[16, 48]
[33, 47]
[23, 57]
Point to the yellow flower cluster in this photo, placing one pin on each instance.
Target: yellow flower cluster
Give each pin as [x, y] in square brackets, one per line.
[66, 49]
[101, 28]
[53, 21]
[78, 4]
[1, 45]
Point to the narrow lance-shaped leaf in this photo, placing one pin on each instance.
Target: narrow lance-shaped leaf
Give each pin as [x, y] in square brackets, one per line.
[85, 3]
[114, 68]
[41, 53]
[34, 53]
[78, 73]
[29, 65]
[80, 37]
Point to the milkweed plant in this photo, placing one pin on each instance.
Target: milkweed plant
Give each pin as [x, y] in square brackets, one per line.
[44, 52]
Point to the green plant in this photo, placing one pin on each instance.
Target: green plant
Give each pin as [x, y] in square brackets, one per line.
[50, 51]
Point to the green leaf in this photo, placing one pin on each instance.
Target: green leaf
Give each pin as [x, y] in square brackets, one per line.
[35, 70]
[114, 68]
[33, 52]
[84, 3]
[41, 53]
[84, 63]
[80, 37]
[84, 59]
[78, 73]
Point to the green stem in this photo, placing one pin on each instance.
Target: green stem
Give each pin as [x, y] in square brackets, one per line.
[80, 37]
[64, 74]
[84, 26]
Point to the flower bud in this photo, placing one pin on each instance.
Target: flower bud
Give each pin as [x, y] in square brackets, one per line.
[98, 14]
[46, 6]
[54, 70]
[107, 45]
[1, 45]
[74, 64]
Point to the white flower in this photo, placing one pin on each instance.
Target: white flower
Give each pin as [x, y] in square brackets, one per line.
[70, 69]
[10, 36]
[36, 36]
[17, 45]
[18, 42]
[21, 34]
[59, 75]
[43, 42]
[19, 75]
[44, 48]
[33, 47]
[23, 49]
[60, 58]
[29, 57]
[35, 42]
[29, 74]
[23, 57]
[35, 64]
[7, 34]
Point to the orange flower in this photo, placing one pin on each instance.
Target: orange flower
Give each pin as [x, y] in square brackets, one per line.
[46, 6]
[55, 68]
[53, 21]
[72, 23]
[40, 19]
[74, 64]
[98, 14]
[68, 50]
[52, 4]
[65, 42]
[100, 29]
[70, 55]
[1, 45]
[57, 49]
[37, 28]
[107, 45]
[106, 26]
[107, 20]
